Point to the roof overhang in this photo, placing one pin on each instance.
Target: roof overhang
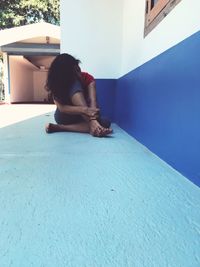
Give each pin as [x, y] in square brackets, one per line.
[18, 34]
[31, 49]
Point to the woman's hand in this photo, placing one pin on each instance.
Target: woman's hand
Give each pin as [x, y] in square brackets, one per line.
[91, 112]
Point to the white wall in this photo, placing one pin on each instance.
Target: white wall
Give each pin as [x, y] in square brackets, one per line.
[21, 79]
[107, 35]
[182, 21]
[91, 30]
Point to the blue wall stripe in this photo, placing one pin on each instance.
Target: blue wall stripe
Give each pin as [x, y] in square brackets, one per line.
[105, 96]
[159, 104]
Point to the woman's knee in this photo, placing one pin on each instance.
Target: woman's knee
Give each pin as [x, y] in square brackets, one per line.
[78, 99]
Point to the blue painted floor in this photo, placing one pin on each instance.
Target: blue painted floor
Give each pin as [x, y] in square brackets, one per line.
[72, 200]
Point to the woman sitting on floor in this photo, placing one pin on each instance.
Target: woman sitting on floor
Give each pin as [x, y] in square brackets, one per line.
[74, 94]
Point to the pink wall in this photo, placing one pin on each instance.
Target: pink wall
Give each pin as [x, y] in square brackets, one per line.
[39, 81]
[21, 79]
[27, 80]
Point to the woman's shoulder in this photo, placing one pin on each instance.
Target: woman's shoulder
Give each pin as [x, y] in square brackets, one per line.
[86, 78]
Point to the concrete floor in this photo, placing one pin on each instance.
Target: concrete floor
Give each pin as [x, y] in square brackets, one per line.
[72, 200]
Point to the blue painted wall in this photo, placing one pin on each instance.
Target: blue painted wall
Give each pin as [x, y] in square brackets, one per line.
[105, 95]
[159, 104]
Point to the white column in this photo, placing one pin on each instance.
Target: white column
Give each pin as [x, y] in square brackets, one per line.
[6, 77]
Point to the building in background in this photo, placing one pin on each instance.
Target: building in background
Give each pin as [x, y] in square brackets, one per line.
[27, 53]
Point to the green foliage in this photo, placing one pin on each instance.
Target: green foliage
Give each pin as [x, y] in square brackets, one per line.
[21, 12]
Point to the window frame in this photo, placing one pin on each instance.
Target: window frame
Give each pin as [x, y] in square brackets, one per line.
[154, 15]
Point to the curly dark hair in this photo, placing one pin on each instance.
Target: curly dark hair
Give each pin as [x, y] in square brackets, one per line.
[62, 73]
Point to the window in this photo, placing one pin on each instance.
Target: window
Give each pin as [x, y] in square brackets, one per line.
[156, 10]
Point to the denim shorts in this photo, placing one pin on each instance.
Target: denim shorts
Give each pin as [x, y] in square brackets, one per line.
[63, 118]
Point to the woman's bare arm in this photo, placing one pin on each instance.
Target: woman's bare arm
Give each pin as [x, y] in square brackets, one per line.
[92, 94]
[80, 110]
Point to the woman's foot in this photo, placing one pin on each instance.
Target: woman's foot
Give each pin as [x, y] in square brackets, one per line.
[52, 128]
[97, 130]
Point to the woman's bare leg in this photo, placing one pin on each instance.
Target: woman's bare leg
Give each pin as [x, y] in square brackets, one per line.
[81, 127]
[96, 129]
[93, 127]
[78, 99]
